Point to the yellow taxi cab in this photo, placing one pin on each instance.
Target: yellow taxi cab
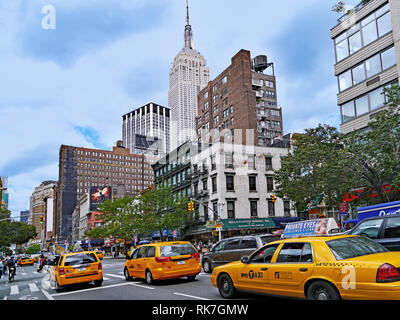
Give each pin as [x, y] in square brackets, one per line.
[25, 261]
[35, 259]
[76, 267]
[100, 254]
[163, 260]
[329, 267]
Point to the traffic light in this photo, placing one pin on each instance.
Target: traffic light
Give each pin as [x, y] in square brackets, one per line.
[41, 220]
[190, 206]
[273, 198]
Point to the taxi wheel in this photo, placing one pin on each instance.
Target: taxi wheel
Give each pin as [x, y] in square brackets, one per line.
[149, 277]
[322, 290]
[225, 286]
[127, 276]
[98, 283]
[57, 286]
[207, 266]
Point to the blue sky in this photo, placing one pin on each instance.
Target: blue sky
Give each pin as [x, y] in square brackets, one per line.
[72, 84]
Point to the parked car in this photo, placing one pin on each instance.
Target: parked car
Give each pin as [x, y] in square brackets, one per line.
[384, 230]
[233, 249]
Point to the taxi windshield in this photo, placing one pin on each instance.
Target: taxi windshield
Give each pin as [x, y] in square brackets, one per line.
[346, 248]
[176, 250]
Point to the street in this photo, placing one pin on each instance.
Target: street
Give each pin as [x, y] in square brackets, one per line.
[31, 285]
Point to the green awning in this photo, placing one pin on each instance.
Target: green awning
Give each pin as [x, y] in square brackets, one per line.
[251, 223]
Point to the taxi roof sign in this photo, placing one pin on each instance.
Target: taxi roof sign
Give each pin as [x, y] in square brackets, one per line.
[308, 228]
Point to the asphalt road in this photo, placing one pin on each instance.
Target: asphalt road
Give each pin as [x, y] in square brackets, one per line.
[30, 285]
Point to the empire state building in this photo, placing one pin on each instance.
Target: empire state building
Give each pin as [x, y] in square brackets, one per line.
[188, 75]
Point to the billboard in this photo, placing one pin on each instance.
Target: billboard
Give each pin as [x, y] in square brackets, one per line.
[98, 195]
[306, 228]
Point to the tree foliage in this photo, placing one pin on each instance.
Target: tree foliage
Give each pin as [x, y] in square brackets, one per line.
[326, 164]
[13, 231]
[155, 209]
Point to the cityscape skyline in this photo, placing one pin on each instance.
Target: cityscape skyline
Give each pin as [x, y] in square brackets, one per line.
[76, 86]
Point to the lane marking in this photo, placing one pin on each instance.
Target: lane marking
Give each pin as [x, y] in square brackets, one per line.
[106, 279]
[90, 289]
[33, 287]
[141, 286]
[189, 296]
[48, 296]
[14, 290]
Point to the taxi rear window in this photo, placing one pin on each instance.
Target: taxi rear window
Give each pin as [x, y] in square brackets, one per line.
[80, 259]
[346, 248]
[177, 250]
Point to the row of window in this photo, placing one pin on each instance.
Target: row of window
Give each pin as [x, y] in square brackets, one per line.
[374, 26]
[364, 104]
[253, 206]
[367, 69]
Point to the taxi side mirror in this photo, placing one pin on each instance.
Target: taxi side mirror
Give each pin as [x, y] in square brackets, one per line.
[128, 257]
[245, 259]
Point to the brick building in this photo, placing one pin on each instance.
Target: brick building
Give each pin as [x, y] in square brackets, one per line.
[83, 168]
[241, 103]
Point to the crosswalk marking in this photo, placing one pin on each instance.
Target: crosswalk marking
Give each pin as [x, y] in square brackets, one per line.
[106, 279]
[33, 287]
[14, 290]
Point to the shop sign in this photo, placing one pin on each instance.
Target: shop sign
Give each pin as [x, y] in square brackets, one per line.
[252, 223]
[211, 224]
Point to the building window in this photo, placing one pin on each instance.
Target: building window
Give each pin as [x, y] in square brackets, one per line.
[205, 187]
[268, 163]
[215, 98]
[230, 205]
[252, 183]
[213, 163]
[224, 91]
[271, 208]
[270, 184]
[253, 209]
[215, 88]
[286, 208]
[377, 24]
[214, 184]
[215, 210]
[363, 104]
[251, 161]
[228, 160]
[230, 183]
[205, 209]
[205, 96]
[224, 80]
[206, 105]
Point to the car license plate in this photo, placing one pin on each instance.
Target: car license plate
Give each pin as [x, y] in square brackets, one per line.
[81, 269]
[181, 262]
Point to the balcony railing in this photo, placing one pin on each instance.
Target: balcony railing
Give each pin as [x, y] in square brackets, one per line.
[357, 8]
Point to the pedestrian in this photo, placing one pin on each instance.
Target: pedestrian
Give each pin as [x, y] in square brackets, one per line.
[200, 246]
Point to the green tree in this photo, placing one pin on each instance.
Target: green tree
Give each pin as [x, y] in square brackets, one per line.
[311, 172]
[118, 219]
[33, 249]
[14, 231]
[373, 156]
[326, 165]
[161, 209]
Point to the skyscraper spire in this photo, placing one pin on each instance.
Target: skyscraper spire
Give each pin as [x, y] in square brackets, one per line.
[188, 30]
[187, 13]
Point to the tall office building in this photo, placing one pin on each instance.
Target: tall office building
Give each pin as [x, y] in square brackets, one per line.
[42, 206]
[80, 169]
[147, 130]
[188, 75]
[367, 50]
[241, 104]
